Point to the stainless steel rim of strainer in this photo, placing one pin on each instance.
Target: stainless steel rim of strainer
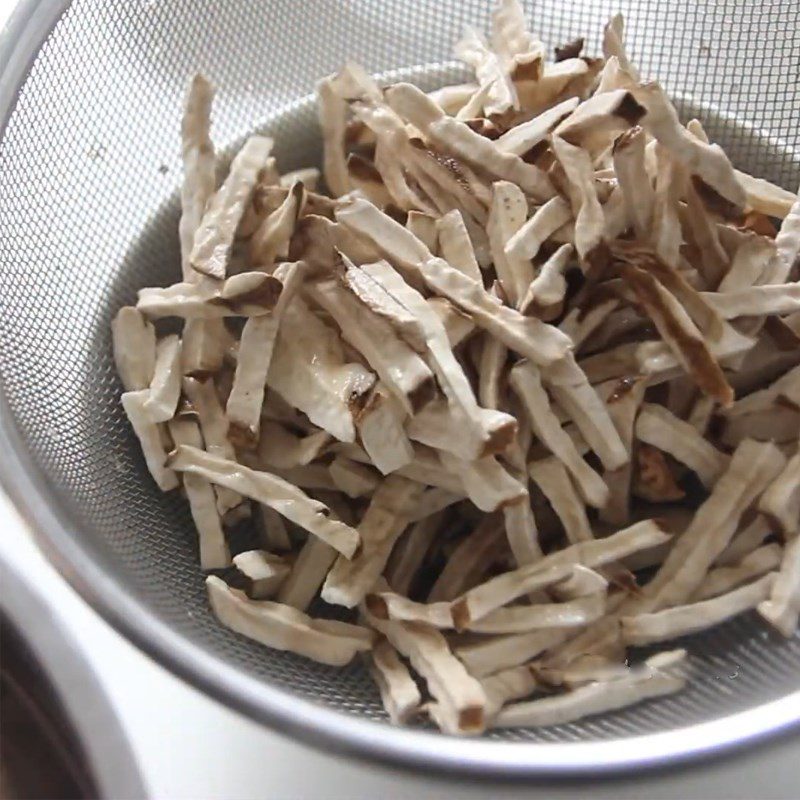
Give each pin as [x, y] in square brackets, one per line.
[55, 529]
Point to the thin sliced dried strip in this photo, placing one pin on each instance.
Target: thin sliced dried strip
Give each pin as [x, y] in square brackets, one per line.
[423, 226]
[780, 503]
[651, 679]
[540, 94]
[426, 467]
[263, 572]
[749, 265]
[496, 653]
[581, 583]
[755, 301]
[402, 371]
[439, 425]
[270, 241]
[530, 337]
[521, 138]
[214, 236]
[787, 243]
[550, 475]
[311, 476]
[659, 626]
[522, 532]
[752, 468]
[490, 72]
[165, 388]
[526, 381]
[383, 522]
[332, 111]
[765, 399]
[380, 426]
[546, 294]
[479, 601]
[214, 552]
[598, 120]
[279, 448]
[457, 325]
[455, 245]
[271, 490]
[352, 478]
[451, 99]
[679, 333]
[510, 684]
[520, 619]
[134, 343]
[203, 397]
[433, 501]
[706, 160]
[204, 345]
[701, 227]
[390, 605]
[309, 371]
[541, 225]
[579, 324]
[468, 560]
[614, 45]
[660, 428]
[584, 670]
[199, 165]
[634, 182]
[285, 628]
[782, 608]
[249, 294]
[623, 405]
[777, 424]
[586, 208]
[491, 368]
[570, 388]
[399, 693]
[460, 697]
[456, 138]
[147, 431]
[256, 346]
[671, 180]
[308, 573]
[487, 483]
[722, 579]
[766, 197]
[410, 551]
[507, 214]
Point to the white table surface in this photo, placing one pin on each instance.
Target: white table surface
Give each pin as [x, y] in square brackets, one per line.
[189, 746]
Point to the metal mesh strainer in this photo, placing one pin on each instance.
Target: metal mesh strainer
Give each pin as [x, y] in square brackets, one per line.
[89, 165]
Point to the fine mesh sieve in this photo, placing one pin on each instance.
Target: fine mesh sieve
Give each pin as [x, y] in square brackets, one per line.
[89, 170]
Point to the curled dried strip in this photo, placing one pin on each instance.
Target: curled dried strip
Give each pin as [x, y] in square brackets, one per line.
[285, 628]
[541, 225]
[656, 426]
[634, 182]
[547, 292]
[677, 621]
[550, 475]
[486, 482]
[270, 240]
[510, 684]
[650, 679]
[780, 503]
[380, 427]
[263, 573]
[522, 138]
[352, 478]
[755, 301]
[750, 264]
[455, 245]
[519, 619]
[271, 490]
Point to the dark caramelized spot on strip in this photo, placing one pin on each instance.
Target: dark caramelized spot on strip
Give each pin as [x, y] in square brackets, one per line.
[535, 155]
[362, 169]
[569, 50]
[377, 606]
[471, 719]
[758, 223]
[624, 139]
[702, 366]
[629, 109]
[528, 70]
[459, 611]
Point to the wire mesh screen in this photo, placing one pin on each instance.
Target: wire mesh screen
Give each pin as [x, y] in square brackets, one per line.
[89, 167]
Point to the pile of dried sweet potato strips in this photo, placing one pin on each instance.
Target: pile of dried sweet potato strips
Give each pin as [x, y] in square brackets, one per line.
[538, 336]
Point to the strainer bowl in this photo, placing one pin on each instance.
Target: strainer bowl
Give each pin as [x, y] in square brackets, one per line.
[89, 169]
